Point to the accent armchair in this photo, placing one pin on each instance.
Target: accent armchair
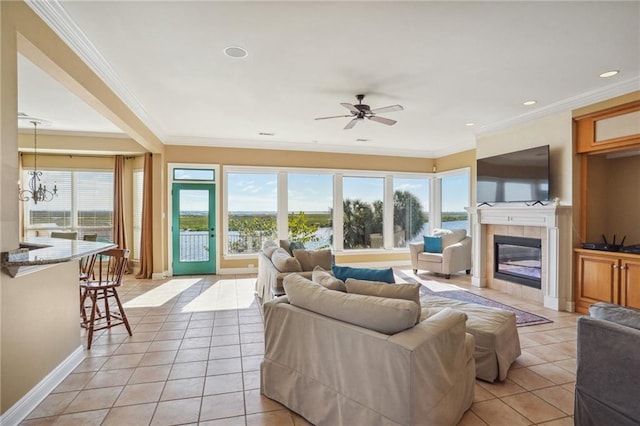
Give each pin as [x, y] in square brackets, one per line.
[445, 252]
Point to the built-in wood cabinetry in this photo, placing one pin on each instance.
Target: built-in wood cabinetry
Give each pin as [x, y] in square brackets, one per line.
[602, 276]
[608, 144]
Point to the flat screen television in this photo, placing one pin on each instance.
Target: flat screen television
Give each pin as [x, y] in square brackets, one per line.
[521, 176]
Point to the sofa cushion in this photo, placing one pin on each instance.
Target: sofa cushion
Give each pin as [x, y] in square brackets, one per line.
[344, 272]
[284, 262]
[430, 257]
[324, 278]
[616, 313]
[380, 289]
[450, 236]
[432, 244]
[384, 315]
[309, 259]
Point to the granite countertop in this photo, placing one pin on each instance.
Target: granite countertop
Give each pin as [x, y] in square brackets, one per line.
[37, 251]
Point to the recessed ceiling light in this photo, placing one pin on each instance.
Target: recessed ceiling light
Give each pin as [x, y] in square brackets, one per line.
[235, 52]
[469, 124]
[529, 103]
[609, 73]
[266, 134]
[362, 140]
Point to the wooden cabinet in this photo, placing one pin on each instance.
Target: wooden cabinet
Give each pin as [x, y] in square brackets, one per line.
[612, 277]
[609, 130]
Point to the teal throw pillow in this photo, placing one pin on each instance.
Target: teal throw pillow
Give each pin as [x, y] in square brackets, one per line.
[382, 275]
[296, 245]
[433, 244]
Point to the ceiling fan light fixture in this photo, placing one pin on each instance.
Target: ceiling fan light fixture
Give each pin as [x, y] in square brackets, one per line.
[608, 74]
[235, 52]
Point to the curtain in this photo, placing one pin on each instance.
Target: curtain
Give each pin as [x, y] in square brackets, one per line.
[119, 234]
[146, 234]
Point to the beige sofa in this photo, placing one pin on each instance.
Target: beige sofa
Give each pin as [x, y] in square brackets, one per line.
[349, 359]
[455, 253]
[276, 262]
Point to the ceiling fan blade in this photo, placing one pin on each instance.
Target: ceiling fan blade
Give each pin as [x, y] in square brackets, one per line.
[350, 107]
[351, 124]
[333, 116]
[383, 120]
[389, 108]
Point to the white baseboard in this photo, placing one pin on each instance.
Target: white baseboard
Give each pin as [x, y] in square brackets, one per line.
[26, 404]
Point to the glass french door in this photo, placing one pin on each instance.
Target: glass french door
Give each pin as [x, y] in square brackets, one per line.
[193, 228]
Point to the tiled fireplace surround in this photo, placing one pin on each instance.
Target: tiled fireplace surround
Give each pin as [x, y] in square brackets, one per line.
[552, 225]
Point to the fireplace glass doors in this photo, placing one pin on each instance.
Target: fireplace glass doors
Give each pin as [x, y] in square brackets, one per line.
[518, 260]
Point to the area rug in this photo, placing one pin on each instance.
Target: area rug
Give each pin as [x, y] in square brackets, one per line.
[523, 318]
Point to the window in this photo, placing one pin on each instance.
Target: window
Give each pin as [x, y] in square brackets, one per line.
[252, 205]
[363, 209]
[410, 210]
[138, 179]
[84, 204]
[375, 210]
[310, 201]
[455, 197]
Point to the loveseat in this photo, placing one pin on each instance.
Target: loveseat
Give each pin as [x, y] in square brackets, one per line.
[444, 252]
[350, 359]
[607, 385]
[277, 260]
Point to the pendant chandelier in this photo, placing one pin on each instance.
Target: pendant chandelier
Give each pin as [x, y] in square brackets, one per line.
[37, 190]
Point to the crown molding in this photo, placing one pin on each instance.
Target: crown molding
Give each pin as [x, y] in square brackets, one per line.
[361, 149]
[57, 18]
[569, 104]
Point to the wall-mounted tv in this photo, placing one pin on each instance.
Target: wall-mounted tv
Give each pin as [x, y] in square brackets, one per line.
[521, 176]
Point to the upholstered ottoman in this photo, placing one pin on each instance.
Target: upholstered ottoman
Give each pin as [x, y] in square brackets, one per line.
[496, 338]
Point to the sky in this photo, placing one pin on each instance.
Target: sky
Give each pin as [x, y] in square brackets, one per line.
[314, 192]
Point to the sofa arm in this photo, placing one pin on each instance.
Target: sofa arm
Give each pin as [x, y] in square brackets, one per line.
[415, 249]
[606, 379]
[457, 257]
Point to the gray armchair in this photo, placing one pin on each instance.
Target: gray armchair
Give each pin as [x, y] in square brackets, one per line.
[454, 256]
[608, 374]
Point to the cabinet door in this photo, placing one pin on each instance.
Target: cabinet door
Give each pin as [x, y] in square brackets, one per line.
[597, 279]
[630, 291]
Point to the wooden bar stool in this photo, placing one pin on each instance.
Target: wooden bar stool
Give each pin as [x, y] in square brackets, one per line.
[109, 267]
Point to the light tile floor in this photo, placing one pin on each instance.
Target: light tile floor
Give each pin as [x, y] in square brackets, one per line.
[195, 355]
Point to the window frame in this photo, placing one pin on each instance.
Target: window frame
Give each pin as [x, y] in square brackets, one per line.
[74, 204]
[338, 175]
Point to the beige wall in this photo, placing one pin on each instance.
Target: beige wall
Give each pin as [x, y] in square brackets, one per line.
[555, 131]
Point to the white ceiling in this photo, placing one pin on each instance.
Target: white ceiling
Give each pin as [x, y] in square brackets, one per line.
[447, 63]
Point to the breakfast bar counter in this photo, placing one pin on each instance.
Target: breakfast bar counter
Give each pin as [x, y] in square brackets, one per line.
[38, 252]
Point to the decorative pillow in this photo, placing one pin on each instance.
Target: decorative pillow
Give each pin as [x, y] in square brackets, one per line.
[284, 262]
[296, 245]
[344, 272]
[450, 236]
[432, 244]
[286, 244]
[268, 251]
[322, 277]
[310, 258]
[380, 289]
[384, 315]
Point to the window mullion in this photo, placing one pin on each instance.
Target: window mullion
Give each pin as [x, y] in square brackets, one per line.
[387, 218]
[338, 213]
[283, 206]
[74, 201]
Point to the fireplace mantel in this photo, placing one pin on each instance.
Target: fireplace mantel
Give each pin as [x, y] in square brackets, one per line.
[556, 220]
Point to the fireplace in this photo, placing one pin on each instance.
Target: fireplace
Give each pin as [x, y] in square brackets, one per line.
[518, 260]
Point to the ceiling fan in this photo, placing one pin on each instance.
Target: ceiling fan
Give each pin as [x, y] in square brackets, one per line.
[362, 111]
